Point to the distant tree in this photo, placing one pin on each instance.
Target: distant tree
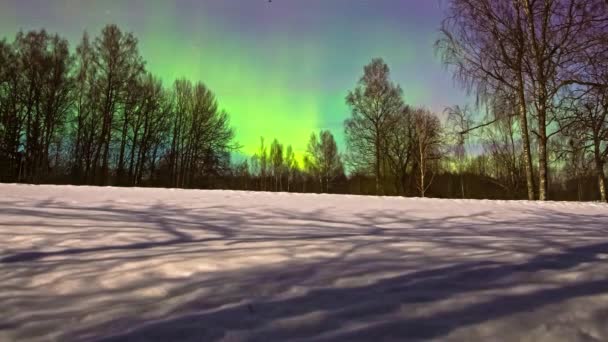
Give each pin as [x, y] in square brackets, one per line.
[276, 164]
[373, 103]
[242, 174]
[262, 157]
[323, 160]
[291, 165]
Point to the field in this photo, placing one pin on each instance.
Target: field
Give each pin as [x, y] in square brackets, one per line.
[118, 264]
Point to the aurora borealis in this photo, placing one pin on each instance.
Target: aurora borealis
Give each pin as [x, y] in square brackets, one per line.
[281, 69]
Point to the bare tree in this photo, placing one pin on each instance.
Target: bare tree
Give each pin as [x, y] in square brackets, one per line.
[592, 127]
[399, 147]
[276, 164]
[573, 151]
[84, 123]
[323, 159]
[262, 157]
[556, 32]
[291, 165]
[45, 64]
[505, 165]
[459, 123]
[427, 138]
[200, 134]
[11, 112]
[373, 102]
[484, 42]
[181, 120]
[119, 63]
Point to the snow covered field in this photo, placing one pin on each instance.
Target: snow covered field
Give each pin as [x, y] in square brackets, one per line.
[85, 263]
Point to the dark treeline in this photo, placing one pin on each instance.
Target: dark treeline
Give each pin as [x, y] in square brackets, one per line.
[96, 116]
[539, 70]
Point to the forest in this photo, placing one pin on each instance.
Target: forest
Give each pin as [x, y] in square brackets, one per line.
[538, 129]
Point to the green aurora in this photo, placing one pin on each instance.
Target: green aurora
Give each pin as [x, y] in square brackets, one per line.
[281, 69]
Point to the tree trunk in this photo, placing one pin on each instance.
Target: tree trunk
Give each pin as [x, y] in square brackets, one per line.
[120, 170]
[377, 164]
[104, 159]
[523, 123]
[422, 165]
[462, 184]
[599, 170]
[543, 171]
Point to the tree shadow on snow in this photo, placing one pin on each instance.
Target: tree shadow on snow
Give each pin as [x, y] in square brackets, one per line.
[378, 309]
[364, 305]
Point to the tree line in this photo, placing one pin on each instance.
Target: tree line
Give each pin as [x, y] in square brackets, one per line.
[538, 130]
[97, 116]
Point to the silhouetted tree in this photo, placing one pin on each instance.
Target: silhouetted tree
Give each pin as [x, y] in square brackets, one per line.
[276, 164]
[116, 57]
[373, 103]
[398, 145]
[291, 166]
[84, 123]
[12, 113]
[262, 158]
[322, 159]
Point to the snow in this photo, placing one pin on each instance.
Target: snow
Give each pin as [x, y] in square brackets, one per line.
[133, 264]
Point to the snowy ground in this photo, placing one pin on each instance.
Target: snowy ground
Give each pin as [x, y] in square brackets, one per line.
[84, 263]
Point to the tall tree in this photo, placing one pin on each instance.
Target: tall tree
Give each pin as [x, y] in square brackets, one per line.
[84, 123]
[530, 48]
[45, 63]
[427, 140]
[11, 112]
[459, 123]
[373, 103]
[182, 119]
[119, 64]
[484, 43]
[398, 144]
[555, 31]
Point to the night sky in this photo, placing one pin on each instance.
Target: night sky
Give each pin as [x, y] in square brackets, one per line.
[281, 69]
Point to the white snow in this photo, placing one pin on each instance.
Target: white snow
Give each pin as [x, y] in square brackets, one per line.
[86, 263]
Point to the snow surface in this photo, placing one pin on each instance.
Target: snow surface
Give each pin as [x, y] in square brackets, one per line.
[86, 263]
